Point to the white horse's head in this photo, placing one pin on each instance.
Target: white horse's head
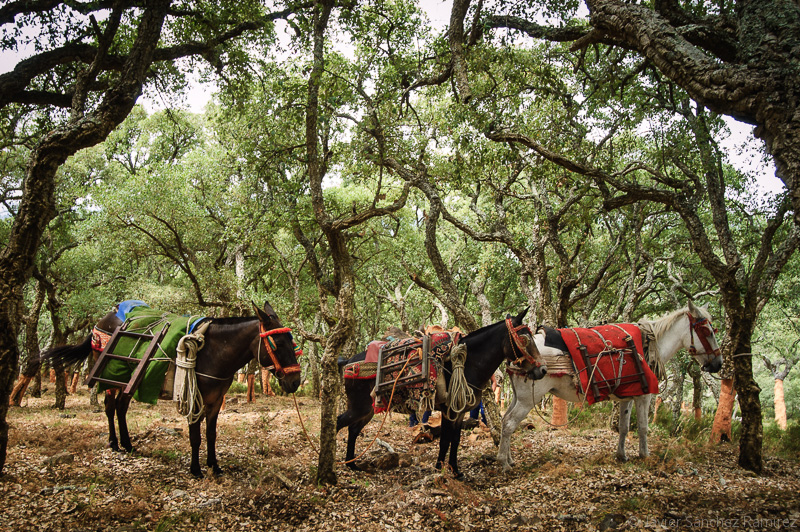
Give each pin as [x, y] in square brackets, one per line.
[701, 331]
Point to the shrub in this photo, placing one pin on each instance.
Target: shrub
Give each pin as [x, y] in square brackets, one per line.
[238, 387]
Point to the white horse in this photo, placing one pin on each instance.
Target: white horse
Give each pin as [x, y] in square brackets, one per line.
[667, 335]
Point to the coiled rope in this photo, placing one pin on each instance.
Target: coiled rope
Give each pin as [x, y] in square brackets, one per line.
[190, 404]
[459, 394]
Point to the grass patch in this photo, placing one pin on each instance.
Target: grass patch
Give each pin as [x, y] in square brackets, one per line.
[782, 443]
[237, 387]
[590, 417]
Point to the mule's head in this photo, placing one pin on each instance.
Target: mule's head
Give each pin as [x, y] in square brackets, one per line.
[522, 350]
[280, 347]
[701, 331]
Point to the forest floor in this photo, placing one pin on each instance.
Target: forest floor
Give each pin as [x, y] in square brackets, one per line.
[61, 476]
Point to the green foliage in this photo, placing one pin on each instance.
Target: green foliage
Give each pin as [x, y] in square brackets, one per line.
[590, 417]
[783, 443]
[202, 213]
[237, 387]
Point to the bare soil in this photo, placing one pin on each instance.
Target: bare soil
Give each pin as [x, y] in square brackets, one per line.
[60, 476]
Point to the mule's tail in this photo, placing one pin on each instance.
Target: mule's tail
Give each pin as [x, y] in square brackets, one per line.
[67, 355]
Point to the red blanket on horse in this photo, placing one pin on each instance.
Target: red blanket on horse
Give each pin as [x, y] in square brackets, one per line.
[610, 367]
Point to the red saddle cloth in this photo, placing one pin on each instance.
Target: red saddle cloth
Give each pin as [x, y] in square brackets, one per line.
[611, 364]
[373, 350]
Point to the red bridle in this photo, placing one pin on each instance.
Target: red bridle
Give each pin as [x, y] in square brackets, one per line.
[521, 343]
[270, 346]
[702, 327]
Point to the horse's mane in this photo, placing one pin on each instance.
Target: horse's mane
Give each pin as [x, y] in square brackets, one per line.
[485, 328]
[662, 325]
[231, 321]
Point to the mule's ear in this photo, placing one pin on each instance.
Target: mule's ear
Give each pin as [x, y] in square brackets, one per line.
[268, 310]
[260, 313]
[692, 308]
[520, 316]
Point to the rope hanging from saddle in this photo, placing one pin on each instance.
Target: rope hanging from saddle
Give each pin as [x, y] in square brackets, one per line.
[460, 395]
[190, 401]
[651, 354]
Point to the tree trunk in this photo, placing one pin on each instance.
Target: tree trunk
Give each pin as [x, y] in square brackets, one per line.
[266, 389]
[73, 387]
[751, 435]
[36, 389]
[8, 370]
[30, 369]
[493, 417]
[780, 405]
[697, 391]
[61, 389]
[37, 206]
[680, 378]
[559, 418]
[22, 385]
[93, 397]
[656, 406]
[329, 400]
[721, 429]
[313, 366]
[251, 388]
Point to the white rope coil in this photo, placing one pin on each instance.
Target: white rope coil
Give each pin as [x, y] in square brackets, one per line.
[459, 394]
[190, 400]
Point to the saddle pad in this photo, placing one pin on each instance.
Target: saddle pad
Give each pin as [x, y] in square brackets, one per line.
[144, 319]
[374, 348]
[610, 364]
[361, 370]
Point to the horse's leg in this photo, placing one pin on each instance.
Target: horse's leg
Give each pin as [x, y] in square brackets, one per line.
[642, 419]
[359, 412]
[454, 443]
[212, 413]
[444, 440]
[523, 400]
[109, 402]
[624, 426]
[353, 431]
[194, 441]
[123, 402]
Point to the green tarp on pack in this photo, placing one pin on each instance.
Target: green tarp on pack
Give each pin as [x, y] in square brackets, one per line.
[148, 321]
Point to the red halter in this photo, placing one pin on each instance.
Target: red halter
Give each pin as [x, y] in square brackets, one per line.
[521, 343]
[269, 344]
[702, 327]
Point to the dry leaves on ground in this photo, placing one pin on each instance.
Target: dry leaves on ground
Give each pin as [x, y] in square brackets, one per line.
[61, 476]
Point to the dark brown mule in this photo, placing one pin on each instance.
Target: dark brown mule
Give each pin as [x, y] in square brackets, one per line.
[230, 343]
[486, 350]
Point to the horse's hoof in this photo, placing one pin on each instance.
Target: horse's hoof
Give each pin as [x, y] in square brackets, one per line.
[353, 467]
[217, 470]
[196, 473]
[622, 459]
[114, 447]
[459, 476]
